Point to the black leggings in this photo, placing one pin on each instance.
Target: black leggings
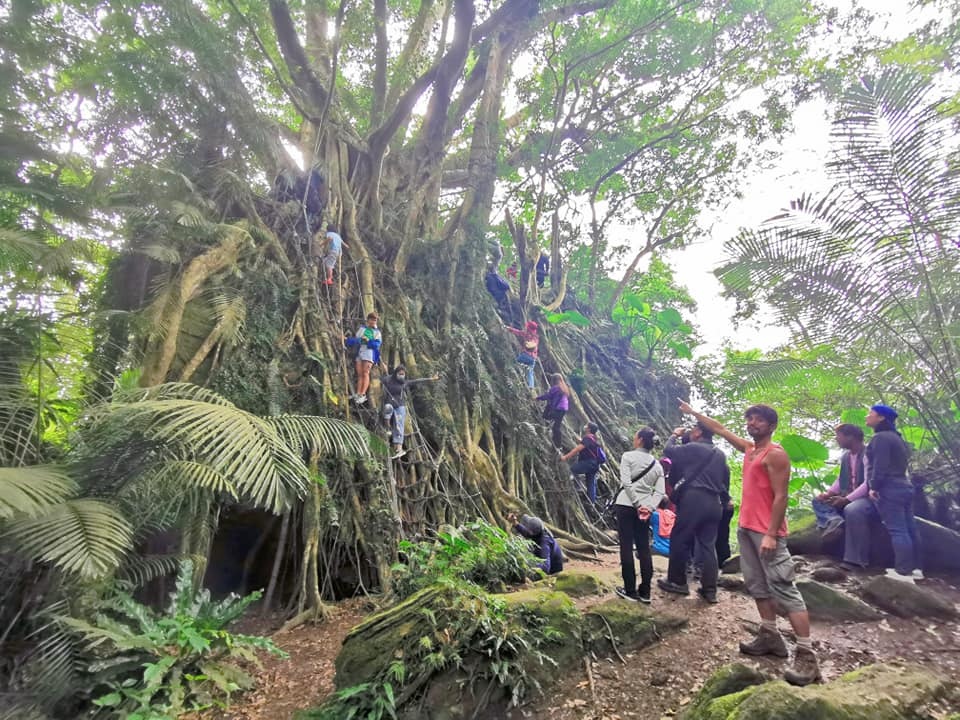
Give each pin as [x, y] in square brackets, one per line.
[557, 417]
[634, 532]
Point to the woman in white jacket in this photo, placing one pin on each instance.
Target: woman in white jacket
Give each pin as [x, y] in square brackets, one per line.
[642, 488]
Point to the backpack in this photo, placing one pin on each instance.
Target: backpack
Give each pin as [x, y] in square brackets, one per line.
[601, 455]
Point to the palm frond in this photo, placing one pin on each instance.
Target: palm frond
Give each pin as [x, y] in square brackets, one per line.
[329, 436]
[32, 490]
[81, 536]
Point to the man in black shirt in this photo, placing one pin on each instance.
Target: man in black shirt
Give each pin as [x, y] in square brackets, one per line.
[701, 485]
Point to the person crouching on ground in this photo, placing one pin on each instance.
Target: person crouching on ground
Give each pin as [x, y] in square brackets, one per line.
[641, 490]
[768, 570]
[545, 546]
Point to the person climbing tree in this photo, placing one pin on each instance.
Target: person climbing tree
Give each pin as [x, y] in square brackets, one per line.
[308, 188]
[334, 247]
[512, 270]
[543, 268]
[368, 340]
[499, 288]
[395, 404]
[530, 344]
[641, 490]
[558, 402]
[545, 546]
[496, 253]
[590, 456]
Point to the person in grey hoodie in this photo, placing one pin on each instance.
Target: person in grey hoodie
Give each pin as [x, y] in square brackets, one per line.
[642, 487]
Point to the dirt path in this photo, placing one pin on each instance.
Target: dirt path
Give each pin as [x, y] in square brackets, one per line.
[653, 683]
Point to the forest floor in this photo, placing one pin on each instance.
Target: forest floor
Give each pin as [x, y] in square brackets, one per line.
[653, 683]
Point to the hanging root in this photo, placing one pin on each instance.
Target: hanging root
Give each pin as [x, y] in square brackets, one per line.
[312, 616]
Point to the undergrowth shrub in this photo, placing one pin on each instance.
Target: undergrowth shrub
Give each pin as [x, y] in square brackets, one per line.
[496, 645]
[478, 552]
[154, 666]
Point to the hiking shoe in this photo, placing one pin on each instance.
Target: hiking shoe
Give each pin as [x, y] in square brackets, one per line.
[672, 587]
[891, 573]
[631, 596]
[710, 597]
[805, 668]
[767, 642]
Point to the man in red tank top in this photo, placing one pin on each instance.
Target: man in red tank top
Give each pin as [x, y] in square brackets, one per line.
[768, 571]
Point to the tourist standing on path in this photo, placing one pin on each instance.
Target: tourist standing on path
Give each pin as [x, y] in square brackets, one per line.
[887, 458]
[530, 345]
[589, 454]
[368, 339]
[850, 486]
[558, 402]
[701, 485]
[641, 490]
[395, 404]
[768, 569]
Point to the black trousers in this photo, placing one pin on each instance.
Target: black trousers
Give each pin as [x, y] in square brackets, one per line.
[723, 535]
[634, 532]
[698, 516]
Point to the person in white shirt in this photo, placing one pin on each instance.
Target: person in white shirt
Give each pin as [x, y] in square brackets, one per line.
[642, 487]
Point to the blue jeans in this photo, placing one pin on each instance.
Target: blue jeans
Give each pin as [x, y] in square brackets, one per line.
[824, 512]
[397, 416]
[896, 511]
[530, 362]
[589, 469]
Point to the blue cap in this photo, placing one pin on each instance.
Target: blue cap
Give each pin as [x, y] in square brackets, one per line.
[885, 411]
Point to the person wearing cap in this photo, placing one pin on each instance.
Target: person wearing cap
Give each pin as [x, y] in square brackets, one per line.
[890, 500]
[545, 546]
[530, 342]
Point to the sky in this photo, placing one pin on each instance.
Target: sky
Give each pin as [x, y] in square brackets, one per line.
[767, 190]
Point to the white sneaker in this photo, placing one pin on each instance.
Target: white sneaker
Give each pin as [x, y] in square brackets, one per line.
[891, 573]
[918, 574]
[361, 399]
[398, 454]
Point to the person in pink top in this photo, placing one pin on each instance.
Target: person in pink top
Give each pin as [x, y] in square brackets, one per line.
[768, 570]
[849, 486]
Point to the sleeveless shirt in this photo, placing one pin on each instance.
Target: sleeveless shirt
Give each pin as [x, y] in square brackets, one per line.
[757, 501]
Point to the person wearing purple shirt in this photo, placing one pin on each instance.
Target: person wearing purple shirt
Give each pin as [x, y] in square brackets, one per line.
[558, 402]
[849, 486]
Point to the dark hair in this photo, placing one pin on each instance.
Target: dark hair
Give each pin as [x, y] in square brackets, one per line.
[647, 437]
[851, 431]
[592, 427]
[331, 228]
[706, 432]
[397, 369]
[764, 412]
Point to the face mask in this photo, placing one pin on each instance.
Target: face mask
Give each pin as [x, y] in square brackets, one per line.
[401, 376]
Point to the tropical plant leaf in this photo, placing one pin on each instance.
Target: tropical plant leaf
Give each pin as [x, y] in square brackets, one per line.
[804, 451]
[32, 490]
[81, 536]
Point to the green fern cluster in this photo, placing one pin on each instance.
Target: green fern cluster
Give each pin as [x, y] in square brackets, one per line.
[478, 553]
[152, 665]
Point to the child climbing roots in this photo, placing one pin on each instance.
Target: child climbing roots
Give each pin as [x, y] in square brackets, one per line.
[368, 339]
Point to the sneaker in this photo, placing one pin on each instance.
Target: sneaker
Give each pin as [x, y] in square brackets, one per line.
[767, 642]
[643, 595]
[710, 597]
[891, 573]
[631, 596]
[918, 574]
[361, 399]
[672, 587]
[805, 668]
[398, 454]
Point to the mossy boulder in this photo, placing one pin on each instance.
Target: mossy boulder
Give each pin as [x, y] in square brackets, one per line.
[632, 625]
[827, 603]
[727, 680]
[877, 692]
[906, 599]
[577, 583]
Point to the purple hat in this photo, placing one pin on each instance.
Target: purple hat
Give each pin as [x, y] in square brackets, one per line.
[885, 411]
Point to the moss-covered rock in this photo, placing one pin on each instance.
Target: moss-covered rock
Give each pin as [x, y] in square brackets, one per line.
[878, 692]
[727, 680]
[577, 583]
[906, 599]
[633, 625]
[827, 603]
